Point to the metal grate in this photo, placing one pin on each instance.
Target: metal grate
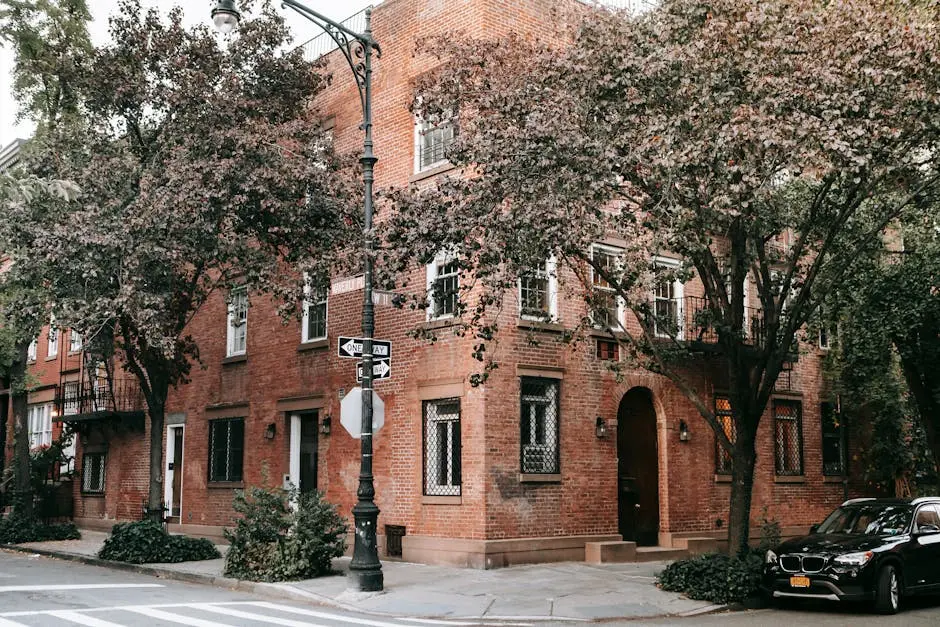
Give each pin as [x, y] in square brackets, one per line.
[726, 419]
[323, 43]
[788, 438]
[442, 472]
[226, 449]
[539, 426]
[393, 536]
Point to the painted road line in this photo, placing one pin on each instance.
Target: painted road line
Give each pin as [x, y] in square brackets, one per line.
[9, 623]
[343, 618]
[117, 608]
[78, 586]
[176, 618]
[219, 609]
[82, 619]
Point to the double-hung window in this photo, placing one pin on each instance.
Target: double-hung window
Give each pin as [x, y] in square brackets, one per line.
[725, 419]
[539, 419]
[833, 441]
[538, 292]
[75, 341]
[667, 300]
[237, 342]
[52, 347]
[226, 449]
[442, 472]
[31, 350]
[39, 419]
[443, 287]
[606, 306]
[93, 465]
[431, 143]
[315, 308]
[788, 437]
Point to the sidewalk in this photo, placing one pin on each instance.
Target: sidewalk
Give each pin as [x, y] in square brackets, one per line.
[564, 591]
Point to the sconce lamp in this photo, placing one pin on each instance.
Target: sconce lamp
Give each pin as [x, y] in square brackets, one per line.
[269, 431]
[325, 425]
[684, 435]
[600, 428]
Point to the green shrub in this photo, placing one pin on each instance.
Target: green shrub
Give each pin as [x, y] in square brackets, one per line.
[16, 529]
[146, 542]
[273, 541]
[715, 577]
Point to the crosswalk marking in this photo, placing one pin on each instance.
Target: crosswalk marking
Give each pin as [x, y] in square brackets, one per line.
[9, 623]
[77, 586]
[82, 619]
[316, 614]
[251, 615]
[176, 618]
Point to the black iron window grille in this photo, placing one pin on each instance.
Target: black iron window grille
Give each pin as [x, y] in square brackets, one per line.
[93, 473]
[539, 412]
[442, 472]
[788, 437]
[833, 441]
[433, 141]
[725, 420]
[226, 449]
[445, 288]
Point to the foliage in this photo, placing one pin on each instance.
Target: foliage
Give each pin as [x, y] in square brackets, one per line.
[283, 536]
[765, 144]
[147, 542]
[17, 529]
[715, 577]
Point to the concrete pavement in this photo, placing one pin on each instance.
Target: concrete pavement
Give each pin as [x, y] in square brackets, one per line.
[566, 591]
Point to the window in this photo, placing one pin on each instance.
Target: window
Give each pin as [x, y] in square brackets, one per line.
[539, 411]
[538, 293]
[314, 322]
[824, 336]
[927, 516]
[31, 350]
[608, 350]
[667, 301]
[833, 440]
[431, 142]
[75, 341]
[93, 472]
[606, 304]
[39, 420]
[226, 449]
[788, 437]
[52, 348]
[725, 420]
[442, 447]
[443, 287]
[237, 322]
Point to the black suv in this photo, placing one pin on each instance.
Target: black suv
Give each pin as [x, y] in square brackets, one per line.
[867, 549]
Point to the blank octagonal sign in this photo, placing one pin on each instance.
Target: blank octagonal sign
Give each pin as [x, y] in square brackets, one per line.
[350, 415]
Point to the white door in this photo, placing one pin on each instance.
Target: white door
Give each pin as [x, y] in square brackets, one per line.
[173, 482]
[303, 451]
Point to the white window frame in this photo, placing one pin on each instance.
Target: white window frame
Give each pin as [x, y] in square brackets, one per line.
[549, 270]
[617, 252]
[824, 332]
[305, 336]
[32, 350]
[237, 330]
[39, 420]
[422, 128]
[441, 260]
[52, 341]
[678, 295]
[75, 341]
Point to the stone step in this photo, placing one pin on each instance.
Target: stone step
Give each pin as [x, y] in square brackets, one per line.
[659, 554]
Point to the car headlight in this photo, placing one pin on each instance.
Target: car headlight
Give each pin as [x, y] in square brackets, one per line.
[770, 558]
[854, 559]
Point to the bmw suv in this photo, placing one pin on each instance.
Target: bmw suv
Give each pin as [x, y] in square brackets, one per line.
[867, 549]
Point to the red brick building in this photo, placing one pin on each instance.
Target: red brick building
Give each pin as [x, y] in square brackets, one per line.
[550, 454]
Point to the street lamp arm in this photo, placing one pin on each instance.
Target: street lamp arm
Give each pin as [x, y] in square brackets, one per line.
[329, 25]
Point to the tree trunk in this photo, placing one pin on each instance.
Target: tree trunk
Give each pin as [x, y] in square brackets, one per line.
[919, 350]
[157, 411]
[742, 485]
[22, 482]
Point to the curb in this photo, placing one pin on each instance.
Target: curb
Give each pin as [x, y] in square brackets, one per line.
[288, 592]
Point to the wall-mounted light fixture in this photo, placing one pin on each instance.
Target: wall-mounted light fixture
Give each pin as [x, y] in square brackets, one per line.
[270, 431]
[325, 425]
[600, 428]
[684, 435]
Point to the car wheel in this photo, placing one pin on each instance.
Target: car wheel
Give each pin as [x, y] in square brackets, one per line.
[888, 592]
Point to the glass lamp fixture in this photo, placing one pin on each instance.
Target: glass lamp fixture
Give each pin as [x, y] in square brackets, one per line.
[225, 16]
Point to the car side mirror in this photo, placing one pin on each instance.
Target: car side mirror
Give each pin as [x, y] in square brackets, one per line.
[813, 529]
[925, 529]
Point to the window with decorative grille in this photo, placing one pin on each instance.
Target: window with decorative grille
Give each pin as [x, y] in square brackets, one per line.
[833, 440]
[226, 449]
[788, 437]
[93, 473]
[539, 413]
[442, 447]
[726, 420]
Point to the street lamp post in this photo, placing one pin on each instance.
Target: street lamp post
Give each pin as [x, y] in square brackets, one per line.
[365, 570]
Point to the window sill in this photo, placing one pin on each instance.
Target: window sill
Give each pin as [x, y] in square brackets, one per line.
[92, 495]
[431, 171]
[52, 357]
[789, 479]
[604, 334]
[441, 500]
[834, 479]
[540, 325]
[75, 353]
[313, 345]
[722, 478]
[225, 485]
[528, 477]
[235, 359]
[439, 323]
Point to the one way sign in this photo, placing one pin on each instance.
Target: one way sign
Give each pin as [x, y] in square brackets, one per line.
[381, 369]
[351, 347]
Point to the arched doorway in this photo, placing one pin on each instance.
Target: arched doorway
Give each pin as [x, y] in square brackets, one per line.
[638, 468]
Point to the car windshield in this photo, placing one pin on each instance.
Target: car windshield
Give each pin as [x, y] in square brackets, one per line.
[869, 519]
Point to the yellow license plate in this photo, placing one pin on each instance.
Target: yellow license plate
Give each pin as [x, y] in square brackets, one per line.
[799, 582]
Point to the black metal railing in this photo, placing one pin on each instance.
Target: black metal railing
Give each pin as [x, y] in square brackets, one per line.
[99, 394]
[699, 322]
[323, 43]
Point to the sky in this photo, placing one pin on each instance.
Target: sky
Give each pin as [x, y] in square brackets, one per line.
[195, 11]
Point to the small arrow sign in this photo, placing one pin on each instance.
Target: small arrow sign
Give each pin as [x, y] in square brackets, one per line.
[351, 348]
[381, 369]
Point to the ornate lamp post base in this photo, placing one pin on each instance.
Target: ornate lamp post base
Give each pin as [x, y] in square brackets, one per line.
[365, 570]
